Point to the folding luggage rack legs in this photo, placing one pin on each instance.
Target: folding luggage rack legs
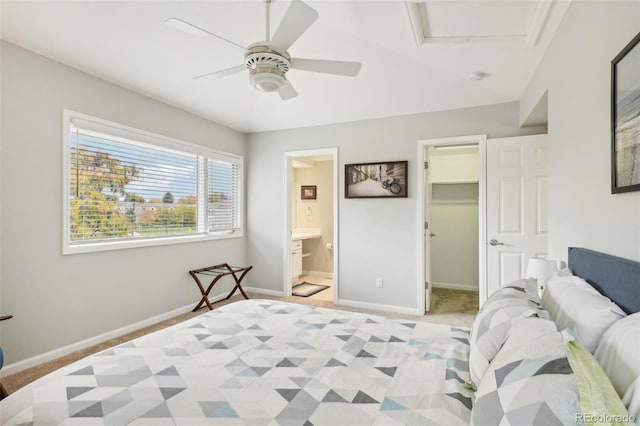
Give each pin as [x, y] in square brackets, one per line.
[217, 272]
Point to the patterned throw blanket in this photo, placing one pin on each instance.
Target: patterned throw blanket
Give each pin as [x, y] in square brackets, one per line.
[260, 362]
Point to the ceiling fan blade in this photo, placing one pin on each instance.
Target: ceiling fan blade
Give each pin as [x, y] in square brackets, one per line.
[193, 30]
[296, 20]
[223, 73]
[287, 91]
[348, 69]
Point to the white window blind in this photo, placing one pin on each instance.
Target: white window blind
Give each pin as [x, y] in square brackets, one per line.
[223, 200]
[126, 185]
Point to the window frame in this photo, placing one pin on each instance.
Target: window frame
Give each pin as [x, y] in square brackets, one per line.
[118, 130]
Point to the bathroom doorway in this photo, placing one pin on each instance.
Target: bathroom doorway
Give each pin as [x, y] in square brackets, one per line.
[310, 256]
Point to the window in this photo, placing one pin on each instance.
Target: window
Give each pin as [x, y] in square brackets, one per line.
[128, 188]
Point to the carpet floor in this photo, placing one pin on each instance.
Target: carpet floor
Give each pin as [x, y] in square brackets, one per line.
[453, 307]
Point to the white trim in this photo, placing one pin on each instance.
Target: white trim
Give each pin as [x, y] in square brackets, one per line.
[147, 242]
[286, 226]
[539, 20]
[320, 274]
[414, 19]
[288, 156]
[481, 141]
[455, 286]
[483, 286]
[380, 307]
[16, 367]
[541, 14]
[275, 293]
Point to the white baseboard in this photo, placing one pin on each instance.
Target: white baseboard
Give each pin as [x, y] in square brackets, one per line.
[319, 274]
[454, 286]
[379, 307]
[276, 293]
[16, 367]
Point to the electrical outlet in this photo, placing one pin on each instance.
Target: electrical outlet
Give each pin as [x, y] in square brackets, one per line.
[379, 282]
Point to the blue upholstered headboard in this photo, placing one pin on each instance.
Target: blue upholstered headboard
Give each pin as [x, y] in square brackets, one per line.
[615, 277]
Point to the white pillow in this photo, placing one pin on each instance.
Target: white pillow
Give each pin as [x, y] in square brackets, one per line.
[572, 303]
[618, 352]
[529, 285]
[631, 400]
[564, 272]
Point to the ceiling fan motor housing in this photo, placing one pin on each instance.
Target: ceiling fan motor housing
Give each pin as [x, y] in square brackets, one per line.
[267, 67]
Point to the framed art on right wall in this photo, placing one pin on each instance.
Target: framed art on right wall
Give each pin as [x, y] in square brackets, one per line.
[625, 119]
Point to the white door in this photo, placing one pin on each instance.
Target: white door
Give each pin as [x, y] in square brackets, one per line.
[516, 206]
[427, 232]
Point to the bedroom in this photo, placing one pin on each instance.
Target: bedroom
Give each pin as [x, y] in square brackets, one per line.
[59, 300]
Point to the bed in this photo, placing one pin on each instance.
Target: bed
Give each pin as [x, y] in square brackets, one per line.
[262, 362]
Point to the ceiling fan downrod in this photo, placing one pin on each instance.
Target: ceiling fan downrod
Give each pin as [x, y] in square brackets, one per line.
[267, 5]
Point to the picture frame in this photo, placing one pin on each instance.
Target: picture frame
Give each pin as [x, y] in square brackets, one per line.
[385, 179]
[308, 192]
[625, 119]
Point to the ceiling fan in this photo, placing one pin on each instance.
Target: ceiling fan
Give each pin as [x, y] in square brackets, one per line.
[268, 61]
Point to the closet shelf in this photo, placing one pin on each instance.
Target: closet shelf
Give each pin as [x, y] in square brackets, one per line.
[452, 182]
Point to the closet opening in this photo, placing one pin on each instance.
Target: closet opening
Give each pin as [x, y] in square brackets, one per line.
[454, 177]
[452, 197]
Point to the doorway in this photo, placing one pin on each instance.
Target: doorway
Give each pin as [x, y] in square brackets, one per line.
[311, 206]
[451, 188]
[453, 176]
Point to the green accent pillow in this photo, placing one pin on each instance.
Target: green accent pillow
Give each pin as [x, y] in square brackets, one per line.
[599, 402]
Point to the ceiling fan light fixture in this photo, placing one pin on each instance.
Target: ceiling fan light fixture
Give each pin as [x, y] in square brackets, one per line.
[267, 81]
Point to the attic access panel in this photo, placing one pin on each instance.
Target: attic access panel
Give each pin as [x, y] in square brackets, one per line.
[488, 22]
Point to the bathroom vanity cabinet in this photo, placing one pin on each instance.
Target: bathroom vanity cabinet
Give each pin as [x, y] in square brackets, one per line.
[296, 259]
[297, 253]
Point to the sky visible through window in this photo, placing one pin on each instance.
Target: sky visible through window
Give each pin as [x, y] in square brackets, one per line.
[159, 171]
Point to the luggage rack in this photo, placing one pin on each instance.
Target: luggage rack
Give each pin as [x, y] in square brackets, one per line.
[217, 272]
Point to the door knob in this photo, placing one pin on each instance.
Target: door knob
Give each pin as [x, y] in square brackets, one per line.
[433, 235]
[495, 242]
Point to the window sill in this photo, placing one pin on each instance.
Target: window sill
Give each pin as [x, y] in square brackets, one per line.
[150, 242]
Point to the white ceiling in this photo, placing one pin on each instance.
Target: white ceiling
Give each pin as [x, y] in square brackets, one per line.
[127, 42]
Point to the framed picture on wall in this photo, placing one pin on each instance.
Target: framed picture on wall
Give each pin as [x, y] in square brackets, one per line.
[308, 192]
[625, 119]
[376, 180]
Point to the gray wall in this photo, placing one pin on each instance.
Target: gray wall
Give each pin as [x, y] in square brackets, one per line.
[575, 73]
[454, 248]
[58, 300]
[377, 236]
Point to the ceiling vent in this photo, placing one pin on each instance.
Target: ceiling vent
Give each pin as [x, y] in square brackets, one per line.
[519, 23]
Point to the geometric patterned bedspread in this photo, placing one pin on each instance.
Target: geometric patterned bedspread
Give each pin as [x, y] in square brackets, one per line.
[261, 362]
